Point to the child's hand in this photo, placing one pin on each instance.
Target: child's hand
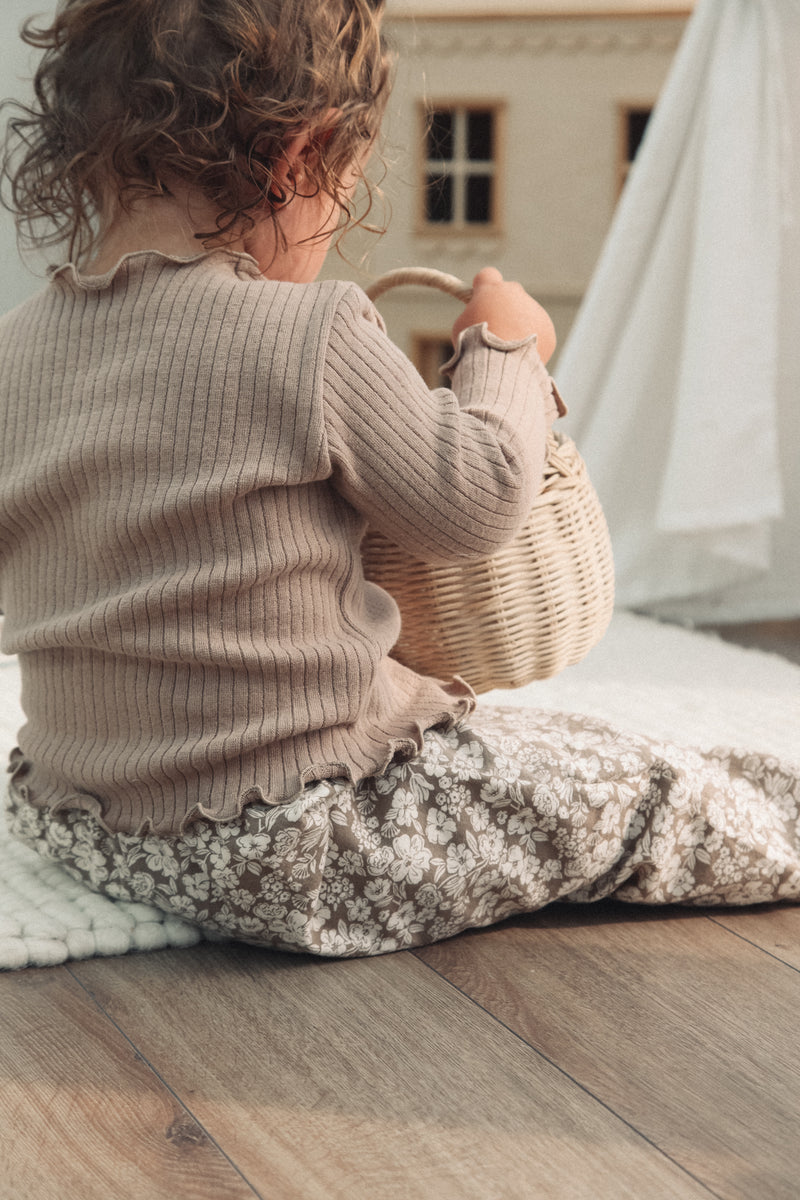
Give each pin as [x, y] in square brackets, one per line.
[508, 310]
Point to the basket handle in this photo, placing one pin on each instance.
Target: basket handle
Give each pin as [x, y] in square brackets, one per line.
[421, 277]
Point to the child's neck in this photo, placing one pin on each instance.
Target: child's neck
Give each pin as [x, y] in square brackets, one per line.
[168, 224]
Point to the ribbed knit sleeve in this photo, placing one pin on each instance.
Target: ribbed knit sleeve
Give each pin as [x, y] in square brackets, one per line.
[448, 474]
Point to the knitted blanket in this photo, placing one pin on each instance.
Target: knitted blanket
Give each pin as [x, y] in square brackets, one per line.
[656, 679]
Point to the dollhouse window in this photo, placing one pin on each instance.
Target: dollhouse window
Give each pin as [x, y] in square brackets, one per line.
[633, 124]
[430, 352]
[460, 169]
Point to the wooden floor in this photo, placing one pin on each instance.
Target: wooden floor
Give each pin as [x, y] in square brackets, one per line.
[583, 1052]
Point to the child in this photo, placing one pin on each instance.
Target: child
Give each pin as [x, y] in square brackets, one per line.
[195, 435]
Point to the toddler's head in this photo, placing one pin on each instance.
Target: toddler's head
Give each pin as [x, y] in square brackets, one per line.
[133, 95]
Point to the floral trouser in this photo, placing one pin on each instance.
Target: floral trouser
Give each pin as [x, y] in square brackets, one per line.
[499, 816]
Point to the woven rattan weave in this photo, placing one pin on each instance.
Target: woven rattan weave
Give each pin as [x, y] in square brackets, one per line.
[536, 606]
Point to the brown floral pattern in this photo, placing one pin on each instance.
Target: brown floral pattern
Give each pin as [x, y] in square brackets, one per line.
[498, 816]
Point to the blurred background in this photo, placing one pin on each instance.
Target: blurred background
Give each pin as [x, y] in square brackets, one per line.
[510, 132]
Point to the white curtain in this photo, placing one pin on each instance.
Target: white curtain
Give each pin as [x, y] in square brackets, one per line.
[682, 370]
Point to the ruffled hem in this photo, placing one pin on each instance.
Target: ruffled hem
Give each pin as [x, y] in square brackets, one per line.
[19, 768]
[287, 788]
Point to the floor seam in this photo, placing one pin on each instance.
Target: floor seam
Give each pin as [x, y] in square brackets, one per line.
[757, 945]
[562, 1071]
[151, 1067]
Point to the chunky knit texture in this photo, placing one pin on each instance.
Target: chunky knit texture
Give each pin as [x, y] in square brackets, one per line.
[190, 457]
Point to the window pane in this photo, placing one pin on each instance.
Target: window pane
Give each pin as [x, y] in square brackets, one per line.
[479, 199]
[439, 198]
[440, 134]
[432, 353]
[480, 136]
[637, 123]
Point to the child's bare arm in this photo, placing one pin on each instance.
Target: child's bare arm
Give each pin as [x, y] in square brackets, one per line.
[508, 310]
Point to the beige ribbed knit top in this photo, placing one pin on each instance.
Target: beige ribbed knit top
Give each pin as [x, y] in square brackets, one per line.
[190, 457]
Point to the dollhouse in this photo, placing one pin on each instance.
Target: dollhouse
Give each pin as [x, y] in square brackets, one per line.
[509, 134]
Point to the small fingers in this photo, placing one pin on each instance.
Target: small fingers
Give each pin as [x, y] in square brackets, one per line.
[487, 275]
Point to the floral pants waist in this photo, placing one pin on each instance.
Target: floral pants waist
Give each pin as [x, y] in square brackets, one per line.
[499, 816]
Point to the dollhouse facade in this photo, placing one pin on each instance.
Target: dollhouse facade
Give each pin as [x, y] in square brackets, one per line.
[509, 133]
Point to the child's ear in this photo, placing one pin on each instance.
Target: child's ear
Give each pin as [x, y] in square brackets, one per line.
[302, 147]
[294, 155]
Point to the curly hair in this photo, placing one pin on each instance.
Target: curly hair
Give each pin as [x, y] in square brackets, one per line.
[133, 93]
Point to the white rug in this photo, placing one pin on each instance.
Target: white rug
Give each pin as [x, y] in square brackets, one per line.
[651, 678]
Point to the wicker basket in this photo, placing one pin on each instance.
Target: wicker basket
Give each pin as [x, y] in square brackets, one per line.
[536, 606]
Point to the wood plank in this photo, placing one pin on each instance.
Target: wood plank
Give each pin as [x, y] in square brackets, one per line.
[369, 1078]
[687, 1032]
[773, 927]
[82, 1117]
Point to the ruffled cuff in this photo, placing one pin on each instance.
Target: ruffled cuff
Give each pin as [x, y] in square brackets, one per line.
[481, 335]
